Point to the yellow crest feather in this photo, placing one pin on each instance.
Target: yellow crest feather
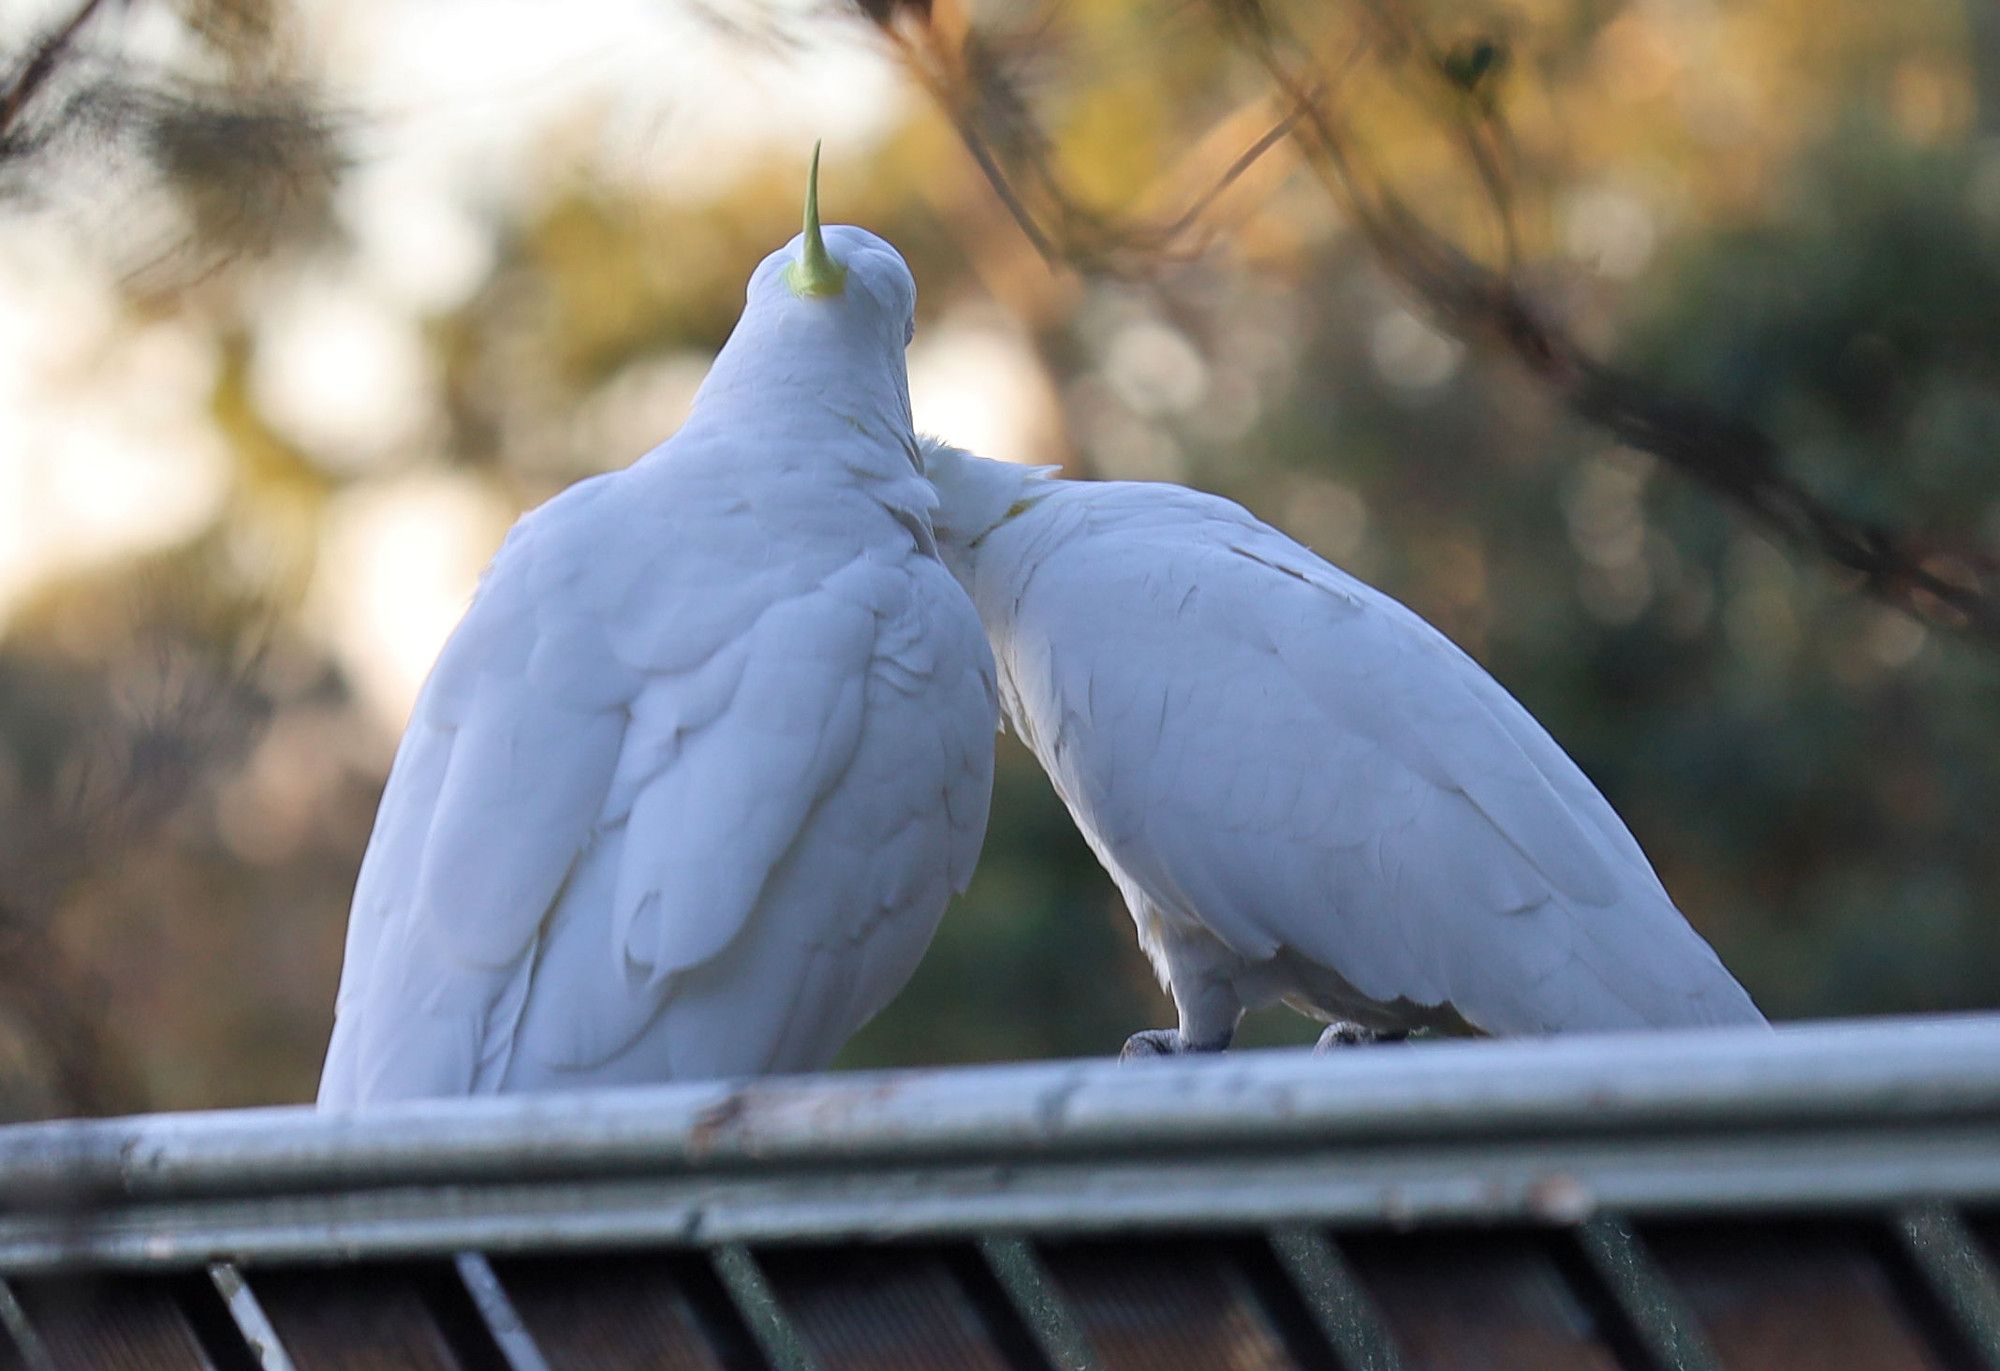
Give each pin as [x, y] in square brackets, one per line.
[815, 272]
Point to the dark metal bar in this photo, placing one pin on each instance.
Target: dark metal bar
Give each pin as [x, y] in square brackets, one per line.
[1343, 1311]
[1655, 1325]
[503, 1322]
[34, 1355]
[202, 1311]
[1019, 1344]
[1039, 1302]
[757, 1303]
[1963, 1287]
[252, 1324]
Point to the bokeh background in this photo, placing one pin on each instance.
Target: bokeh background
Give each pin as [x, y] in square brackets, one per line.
[303, 301]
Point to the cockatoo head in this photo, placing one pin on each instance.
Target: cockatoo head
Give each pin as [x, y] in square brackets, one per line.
[838, 276]
[975, 496]
[824, 328]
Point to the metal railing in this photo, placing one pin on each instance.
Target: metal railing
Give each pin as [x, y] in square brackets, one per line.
[1823, 1195]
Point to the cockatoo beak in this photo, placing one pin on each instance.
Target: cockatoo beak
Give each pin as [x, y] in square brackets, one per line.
[815, 273]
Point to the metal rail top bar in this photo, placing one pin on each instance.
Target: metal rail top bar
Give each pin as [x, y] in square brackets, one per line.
[1849, 1072]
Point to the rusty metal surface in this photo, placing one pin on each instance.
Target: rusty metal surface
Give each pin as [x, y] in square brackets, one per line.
[1174, 1302]
[1822, 1198]
[116, 1322]
[902, 1308]
[628, 1312]
[417, 1315]
[1793, 1292]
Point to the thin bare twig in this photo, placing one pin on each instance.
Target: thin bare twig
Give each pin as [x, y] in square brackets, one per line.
[1730, 457]
[968, 81]
[1478, 304]
[1232, 174]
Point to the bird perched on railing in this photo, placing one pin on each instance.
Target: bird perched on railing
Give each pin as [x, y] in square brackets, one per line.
[1305, 792]
[691, 783]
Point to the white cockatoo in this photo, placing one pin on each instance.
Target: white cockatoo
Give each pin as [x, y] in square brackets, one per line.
[692, 781]
[1305, 792]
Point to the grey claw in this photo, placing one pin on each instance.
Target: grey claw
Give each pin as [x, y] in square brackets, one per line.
[1343, 1034]
[1153, 1042]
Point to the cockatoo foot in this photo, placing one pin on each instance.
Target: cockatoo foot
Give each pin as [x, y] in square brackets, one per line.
[1162, 1042]
[1343, 1034]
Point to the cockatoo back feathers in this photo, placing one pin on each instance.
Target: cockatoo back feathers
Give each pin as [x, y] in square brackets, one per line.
[629, 742]
[745, 783]
[1267, 750]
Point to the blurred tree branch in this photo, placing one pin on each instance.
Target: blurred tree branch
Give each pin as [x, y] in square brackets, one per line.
[42, 62]
[249, 151]
[1480, 305]
[970, 76]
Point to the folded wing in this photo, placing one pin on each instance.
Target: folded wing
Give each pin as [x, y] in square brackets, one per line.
[1304, 766]
[658, 842]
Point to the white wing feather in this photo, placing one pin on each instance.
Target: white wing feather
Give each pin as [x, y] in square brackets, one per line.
[668, 806]
[1273, 750]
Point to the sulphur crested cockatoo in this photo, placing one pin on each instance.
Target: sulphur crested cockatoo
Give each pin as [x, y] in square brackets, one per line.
[1305, 792]
[691, 783]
